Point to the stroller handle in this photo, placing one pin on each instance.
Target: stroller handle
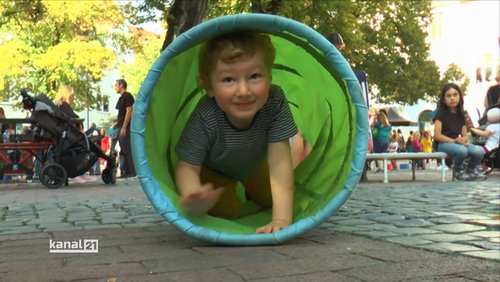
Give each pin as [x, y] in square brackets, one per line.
[28, 101]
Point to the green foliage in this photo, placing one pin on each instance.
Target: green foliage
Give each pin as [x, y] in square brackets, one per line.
[134, 71]
[49, 43]
[455, 74]
[386, 39]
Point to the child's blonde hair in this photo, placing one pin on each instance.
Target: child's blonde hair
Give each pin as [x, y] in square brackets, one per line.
[231, 47]
[65, 91]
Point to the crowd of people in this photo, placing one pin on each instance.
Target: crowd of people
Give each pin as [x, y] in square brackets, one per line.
[453, 134]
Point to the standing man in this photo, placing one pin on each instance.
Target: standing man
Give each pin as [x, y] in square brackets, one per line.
[124, 107]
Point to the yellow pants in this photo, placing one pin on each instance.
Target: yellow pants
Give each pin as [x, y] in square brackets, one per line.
[257, 189]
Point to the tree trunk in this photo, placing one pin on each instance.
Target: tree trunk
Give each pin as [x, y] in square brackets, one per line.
[183, 15]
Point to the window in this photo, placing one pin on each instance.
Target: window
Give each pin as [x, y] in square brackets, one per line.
[105, 103]
[99, 101]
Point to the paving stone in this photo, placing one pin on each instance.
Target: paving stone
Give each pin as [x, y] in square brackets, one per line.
[412, 223]
[412, 231]
[290, 267]
[78, 272]
[85, 222]
[446, 220]
[115, 220]
[431, 269]
[486, 234]
[389, 218]
[10, 223]
[101, 226]
[488, 222]
[446, 237]
[408, 241]
[138, 224]
[485, 244]
[482, 275]
[470, 217]
[486, 254]
[450, 247]
[20, 230]
[18, 237]
[184, 276]
[378, 234]
[21, 266]
[379, 226]
[62, 228]
[458, 228]
[346, 228]
[351, 222]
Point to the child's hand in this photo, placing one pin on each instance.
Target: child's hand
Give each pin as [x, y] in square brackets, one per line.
[203, 200]
[273, 226]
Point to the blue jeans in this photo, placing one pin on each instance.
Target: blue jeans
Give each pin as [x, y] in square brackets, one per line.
[460, 152]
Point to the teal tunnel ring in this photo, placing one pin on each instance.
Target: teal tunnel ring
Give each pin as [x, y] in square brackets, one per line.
[326, 102]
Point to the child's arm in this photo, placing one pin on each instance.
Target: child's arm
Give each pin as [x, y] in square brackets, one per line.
[483, 133]
[281, 175]
[195, 197]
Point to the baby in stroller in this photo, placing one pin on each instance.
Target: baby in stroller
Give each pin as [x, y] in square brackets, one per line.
[74, 153]
[492, 135]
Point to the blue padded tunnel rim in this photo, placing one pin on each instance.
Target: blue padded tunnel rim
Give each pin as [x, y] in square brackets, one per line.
[200, 33]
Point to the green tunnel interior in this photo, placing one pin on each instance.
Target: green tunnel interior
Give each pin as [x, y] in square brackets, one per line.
[321, 107]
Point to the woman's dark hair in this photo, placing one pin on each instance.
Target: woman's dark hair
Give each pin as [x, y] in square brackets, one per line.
[442, 103]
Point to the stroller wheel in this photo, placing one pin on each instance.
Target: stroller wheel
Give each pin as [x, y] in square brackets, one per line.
[53, 175]
[108, 176]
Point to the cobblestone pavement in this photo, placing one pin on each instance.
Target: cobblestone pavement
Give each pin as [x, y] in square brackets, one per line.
[452, 217]
[413, 231]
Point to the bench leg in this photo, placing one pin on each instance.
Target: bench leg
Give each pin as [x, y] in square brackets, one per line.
[386, 178]
[443, 165]
[413, 168]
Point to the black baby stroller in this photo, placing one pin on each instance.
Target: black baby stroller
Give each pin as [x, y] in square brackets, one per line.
[73, 154]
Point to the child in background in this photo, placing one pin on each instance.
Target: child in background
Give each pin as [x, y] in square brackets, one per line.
[426, 143]
[450, 132]
[238, 132]
[492, 132]
[393, 148]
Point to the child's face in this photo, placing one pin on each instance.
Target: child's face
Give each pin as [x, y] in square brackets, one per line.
[240, 88]
[452, 98]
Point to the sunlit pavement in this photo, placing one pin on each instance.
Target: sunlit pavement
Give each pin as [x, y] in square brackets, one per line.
[403, 230]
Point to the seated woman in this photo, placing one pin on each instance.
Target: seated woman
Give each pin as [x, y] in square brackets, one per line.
[64, 101]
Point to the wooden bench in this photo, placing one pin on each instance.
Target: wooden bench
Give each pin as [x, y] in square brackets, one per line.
[407, 156]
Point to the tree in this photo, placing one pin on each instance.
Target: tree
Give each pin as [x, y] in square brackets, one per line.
[134, 69]
[386, 39]
[454, 73]
[49, 43]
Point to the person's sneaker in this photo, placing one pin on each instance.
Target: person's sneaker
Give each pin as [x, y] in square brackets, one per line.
[88, 178]
[78, 179]
[460, 175]
[476, 175]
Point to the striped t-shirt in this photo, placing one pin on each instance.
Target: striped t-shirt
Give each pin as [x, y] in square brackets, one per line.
[209, 139]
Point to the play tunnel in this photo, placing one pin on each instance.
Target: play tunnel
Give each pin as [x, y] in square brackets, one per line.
[324, 97]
